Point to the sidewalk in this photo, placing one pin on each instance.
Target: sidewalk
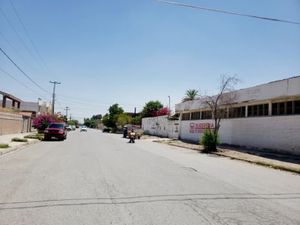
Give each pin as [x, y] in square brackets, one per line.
[6, 139]
[275, 160]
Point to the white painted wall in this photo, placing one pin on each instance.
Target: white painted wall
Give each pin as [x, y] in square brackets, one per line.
[161, 126]
[280, 133]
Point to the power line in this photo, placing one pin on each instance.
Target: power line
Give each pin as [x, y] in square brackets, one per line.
[13, 47]
[25, 74]
[18, 35]
[27, 33]
[21, 83]
[226, 12]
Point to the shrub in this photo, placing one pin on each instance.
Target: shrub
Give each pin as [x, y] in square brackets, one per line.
[209, 140]
[41, 122]
[4, 146]
[19, 139]
[161, 112]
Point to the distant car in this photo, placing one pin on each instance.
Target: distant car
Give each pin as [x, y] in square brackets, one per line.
[73, 127]
[83, 128]
[69, 128]
[55, 130]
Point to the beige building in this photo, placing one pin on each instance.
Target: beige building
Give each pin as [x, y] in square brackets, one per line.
[16, 116]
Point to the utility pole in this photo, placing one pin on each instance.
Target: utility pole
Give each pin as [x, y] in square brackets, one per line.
[39, 106]
[53, 95]
[169, 105]
[67, 109]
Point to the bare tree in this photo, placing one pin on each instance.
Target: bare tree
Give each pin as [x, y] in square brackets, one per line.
[219, 104]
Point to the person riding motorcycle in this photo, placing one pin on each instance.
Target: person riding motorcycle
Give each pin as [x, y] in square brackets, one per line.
[132, 135]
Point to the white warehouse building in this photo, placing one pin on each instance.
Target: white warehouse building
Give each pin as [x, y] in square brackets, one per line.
[266, 116]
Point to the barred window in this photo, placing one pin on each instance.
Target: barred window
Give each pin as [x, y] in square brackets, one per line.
[297, 107]
[185, 116]
[206, 115]
[258, 110]
[237, 112]
[289, 107]
[286, 108]
[195, 115]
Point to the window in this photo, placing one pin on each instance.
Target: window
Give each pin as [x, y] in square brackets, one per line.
[237, 112]
[297, 107]
[195, 116]
[286, 108]
[289, 108]
[206, 115]
[275, 109]
[281, 107]
[185, 116]
[258, 110]
[56, 125]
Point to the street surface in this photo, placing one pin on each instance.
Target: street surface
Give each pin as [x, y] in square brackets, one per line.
[98, 178]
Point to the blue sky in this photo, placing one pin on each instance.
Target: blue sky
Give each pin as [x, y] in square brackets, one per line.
[133, 51]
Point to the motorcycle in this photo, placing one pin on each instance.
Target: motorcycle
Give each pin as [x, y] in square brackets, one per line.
[132, 136]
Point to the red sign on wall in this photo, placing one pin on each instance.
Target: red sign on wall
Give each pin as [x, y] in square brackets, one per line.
[200, 127]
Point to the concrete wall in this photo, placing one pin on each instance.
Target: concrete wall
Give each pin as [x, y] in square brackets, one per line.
[11, 123]
[280, 133]
[161, 126]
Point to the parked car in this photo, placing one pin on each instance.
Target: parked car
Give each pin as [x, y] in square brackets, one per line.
[106, 130]
[83, 128]
[55, 130]
[73, 127]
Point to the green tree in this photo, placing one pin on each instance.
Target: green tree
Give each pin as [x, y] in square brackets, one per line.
[115, 110]
[190, 94]
[151, 108]
[111, 119]
[97, 117]
[137, 120]
[123, 119]
[106, 120]
[73, 122]
[93, 121]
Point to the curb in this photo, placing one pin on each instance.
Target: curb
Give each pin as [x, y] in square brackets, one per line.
[265, 164]
[257, 162]
[20, 147]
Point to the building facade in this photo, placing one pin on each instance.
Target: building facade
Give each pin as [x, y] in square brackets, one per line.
[266, 116]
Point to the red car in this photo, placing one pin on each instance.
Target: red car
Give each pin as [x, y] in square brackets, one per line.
[55, 130]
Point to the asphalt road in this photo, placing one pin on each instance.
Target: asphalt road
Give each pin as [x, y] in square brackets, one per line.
[96, 178]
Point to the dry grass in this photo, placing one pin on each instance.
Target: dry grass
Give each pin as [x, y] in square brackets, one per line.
[19, 139]
[4, 146]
